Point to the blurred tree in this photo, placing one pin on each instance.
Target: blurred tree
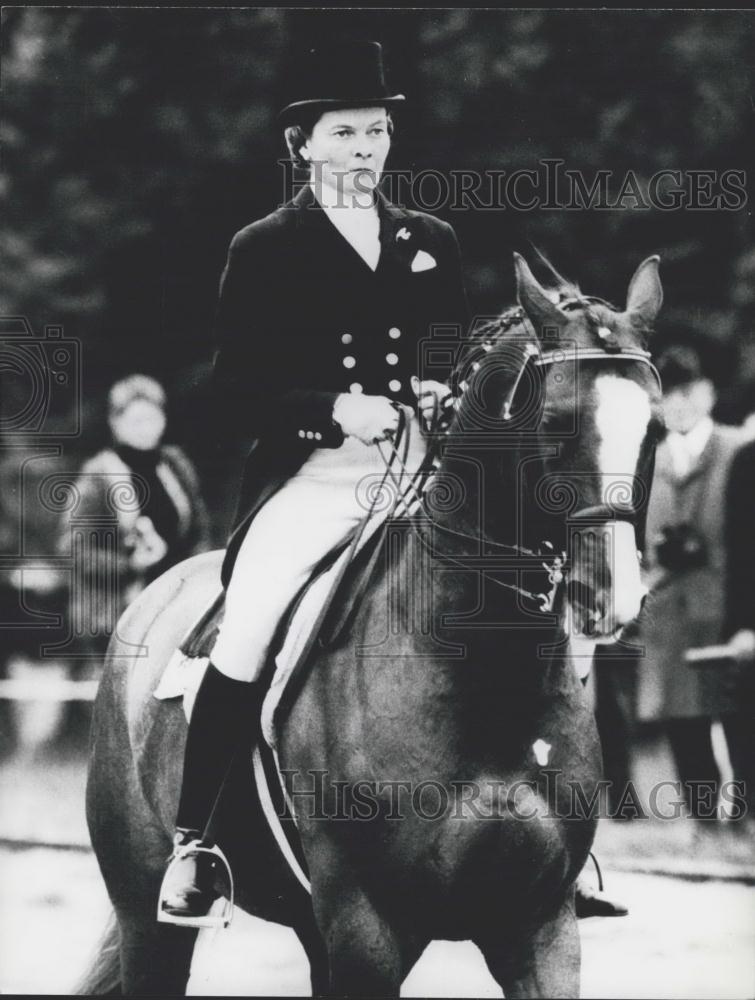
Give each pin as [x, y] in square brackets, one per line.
[118, 127]
[604, 90]
[137, 140]
[135, 143]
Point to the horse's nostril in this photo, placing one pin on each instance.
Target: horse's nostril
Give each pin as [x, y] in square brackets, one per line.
[642, 600]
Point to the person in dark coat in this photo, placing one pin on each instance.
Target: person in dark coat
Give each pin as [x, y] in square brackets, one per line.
[324, 306]
[739, 620]
[686, 556]
[142, 491]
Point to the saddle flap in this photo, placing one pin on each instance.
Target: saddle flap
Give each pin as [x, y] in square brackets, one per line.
[349, 592]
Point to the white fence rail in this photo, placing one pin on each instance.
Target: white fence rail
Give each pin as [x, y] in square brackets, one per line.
[49, 689]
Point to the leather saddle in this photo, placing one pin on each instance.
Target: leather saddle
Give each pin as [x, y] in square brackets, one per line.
[340, 607]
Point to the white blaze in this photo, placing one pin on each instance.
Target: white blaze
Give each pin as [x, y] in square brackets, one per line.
[622, 417]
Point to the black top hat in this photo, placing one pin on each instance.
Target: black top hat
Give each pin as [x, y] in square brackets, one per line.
[340, 75]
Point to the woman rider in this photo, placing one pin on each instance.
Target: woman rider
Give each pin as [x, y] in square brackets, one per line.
[324, 326]
[323, 307]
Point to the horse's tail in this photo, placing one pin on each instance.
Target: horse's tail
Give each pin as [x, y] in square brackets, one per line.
[103, 978]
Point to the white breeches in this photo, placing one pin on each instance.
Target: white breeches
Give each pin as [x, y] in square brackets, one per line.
[315, 510]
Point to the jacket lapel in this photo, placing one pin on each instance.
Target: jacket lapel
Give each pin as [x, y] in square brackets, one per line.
[395, 248]
[392, 220]
[397, 241]
[311, 218]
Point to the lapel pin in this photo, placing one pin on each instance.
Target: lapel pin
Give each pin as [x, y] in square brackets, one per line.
[403, 234]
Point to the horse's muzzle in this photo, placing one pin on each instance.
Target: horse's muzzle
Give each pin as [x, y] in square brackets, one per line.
[596, 615]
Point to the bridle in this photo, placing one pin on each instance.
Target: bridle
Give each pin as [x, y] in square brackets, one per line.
[555, 566]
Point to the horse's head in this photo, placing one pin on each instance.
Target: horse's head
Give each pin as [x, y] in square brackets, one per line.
[600, 402]
[566, 384]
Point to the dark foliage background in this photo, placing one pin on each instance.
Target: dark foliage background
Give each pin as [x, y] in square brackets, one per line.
[137, 141]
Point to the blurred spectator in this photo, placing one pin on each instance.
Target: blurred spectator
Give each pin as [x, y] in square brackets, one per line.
[33, 595]
[615, 683]
[746, 407]
[32, 584]
[140, 501]
[686, 557]
[739, 622]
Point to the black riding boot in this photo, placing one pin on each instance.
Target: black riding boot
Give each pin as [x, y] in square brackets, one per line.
[591, 902]
[225, 719]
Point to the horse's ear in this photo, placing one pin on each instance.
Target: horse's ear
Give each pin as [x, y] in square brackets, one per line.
[645, 295]
[543, 313]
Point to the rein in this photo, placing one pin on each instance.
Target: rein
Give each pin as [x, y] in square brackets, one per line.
[546, 602]
[417, 484]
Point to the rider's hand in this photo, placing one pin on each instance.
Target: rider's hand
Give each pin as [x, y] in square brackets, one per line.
[430, 394]
[368, 418]
[147, 546]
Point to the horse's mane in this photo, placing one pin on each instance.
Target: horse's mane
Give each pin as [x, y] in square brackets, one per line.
[485, 336]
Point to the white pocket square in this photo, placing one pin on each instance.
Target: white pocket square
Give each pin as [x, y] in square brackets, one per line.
[423, 261]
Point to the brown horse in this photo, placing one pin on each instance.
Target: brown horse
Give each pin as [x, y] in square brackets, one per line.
[434, 751]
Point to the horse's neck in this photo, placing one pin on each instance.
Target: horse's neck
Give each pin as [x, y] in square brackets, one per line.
[449, 666]
[486, 512]
[469, 545]
[459, 601]
[438, 669]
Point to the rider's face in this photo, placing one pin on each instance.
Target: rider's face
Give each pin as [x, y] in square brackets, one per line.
[348, 149]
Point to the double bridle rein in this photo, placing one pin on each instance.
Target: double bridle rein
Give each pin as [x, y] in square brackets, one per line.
[555, 564]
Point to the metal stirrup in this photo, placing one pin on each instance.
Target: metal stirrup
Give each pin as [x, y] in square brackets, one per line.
[221, 919]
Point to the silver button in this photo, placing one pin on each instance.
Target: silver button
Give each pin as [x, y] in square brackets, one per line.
[302, 434]
[310, 435]
[318, 436]
[391, 358]
[356, 387]
[349, 362]
[346, 338]
[394, 333]
[394, 385]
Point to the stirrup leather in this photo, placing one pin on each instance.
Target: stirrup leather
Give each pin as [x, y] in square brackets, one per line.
[221, 919]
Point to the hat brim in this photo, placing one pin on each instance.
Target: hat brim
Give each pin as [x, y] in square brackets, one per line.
[288, 115]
